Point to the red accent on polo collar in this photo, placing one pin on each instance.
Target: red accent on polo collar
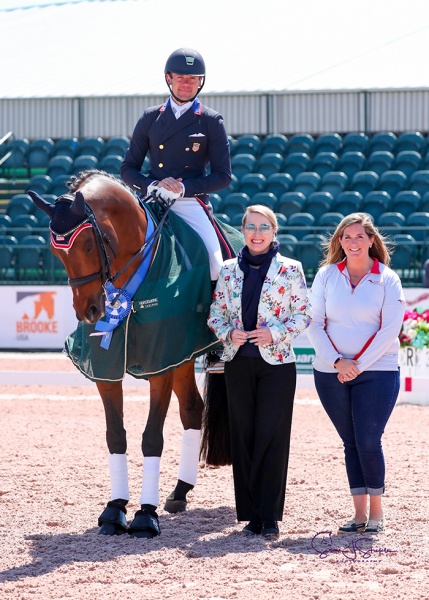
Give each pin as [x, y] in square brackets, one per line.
[375, 269]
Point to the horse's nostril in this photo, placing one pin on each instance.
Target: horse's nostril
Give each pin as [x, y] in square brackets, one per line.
[92, 313]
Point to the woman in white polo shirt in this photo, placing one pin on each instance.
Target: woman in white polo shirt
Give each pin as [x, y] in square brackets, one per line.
[358, 308]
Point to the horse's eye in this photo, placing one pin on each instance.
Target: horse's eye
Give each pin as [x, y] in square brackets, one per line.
[89, 247]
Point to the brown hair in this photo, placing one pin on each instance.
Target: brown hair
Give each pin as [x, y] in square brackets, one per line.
[262, 210]
[334, 252]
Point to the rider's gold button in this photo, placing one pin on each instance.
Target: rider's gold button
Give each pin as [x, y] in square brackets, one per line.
[160, 165]
[161, 146]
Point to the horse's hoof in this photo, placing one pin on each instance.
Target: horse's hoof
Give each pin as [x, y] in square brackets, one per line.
[174, 506]
[112, 520]
[145, 524]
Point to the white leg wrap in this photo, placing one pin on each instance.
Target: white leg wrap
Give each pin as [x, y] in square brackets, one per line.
[188, 466]
[118, 469]
[150, 480]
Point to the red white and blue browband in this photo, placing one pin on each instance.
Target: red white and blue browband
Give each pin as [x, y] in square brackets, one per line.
[64, 241]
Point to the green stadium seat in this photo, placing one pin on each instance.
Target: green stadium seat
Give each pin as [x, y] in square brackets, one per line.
[318, 203]
[39, 183]
[84, 162]
[419, 182]
[306, 183]
[265, 198]
[116, 146]
[300, 223]
[242, 164]
[59, 165]
[111, 163]
[301, 142]
[390, 220]
[91, 146]
[376, 203]
[59, 185]
[348, 202]
[392, 182]
[410, 141]
[248, 144]
[17, 150]
[215, 201]
[5, 223]
[406, 202]
[421, 221]
[330, 220]
[39, 153]
[290, 203]
[65, 147]
[234, 203]
[28, 257]
[364, 182]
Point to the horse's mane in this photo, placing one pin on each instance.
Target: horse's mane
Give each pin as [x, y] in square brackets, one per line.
[77, 181]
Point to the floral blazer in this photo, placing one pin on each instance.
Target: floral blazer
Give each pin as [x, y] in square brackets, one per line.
[284, 307]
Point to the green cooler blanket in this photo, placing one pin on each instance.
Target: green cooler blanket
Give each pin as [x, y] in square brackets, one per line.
[167, 325]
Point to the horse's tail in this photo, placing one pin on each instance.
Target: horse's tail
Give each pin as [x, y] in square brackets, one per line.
[215, 441]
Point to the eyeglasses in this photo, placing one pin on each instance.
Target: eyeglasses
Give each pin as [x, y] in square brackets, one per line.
[252, 228]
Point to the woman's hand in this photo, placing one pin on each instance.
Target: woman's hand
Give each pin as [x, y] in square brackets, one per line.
[260, 336]
[347, 369]
[238, 337]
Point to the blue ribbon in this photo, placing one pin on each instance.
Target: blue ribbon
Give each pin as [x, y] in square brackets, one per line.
[119, 302]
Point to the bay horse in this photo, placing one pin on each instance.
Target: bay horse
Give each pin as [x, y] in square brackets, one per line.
[99, 232]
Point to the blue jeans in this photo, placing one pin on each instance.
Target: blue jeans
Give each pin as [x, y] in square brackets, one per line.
[359, 411]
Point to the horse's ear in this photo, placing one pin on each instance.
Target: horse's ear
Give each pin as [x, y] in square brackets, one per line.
[44, 205]
[78, 205]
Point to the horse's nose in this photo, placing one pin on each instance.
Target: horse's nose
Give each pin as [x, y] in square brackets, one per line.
[93, 314]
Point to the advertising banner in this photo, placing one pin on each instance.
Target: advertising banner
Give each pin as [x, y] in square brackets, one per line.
[36, 317]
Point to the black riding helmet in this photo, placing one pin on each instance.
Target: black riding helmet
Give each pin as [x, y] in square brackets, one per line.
[185, 61]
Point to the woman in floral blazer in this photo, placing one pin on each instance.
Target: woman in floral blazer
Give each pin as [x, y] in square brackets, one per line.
[259, 306]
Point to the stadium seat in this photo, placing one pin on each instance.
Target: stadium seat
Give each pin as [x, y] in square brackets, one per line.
[19, 200]
[306, 183]
[91, 146]
[248, 144]
[116, 146]
[419, 220]
[39, 153]
[111, 163]
[59, 165]
[252, 183]
[5, 223]
[281, 221]
[330, 220]
[279, 183]
[295, 163]
[288, 244]
[290, 203]
[28, 257]
[20, 231]
[265, 198]
[65, 147]
[424, 203]
[226, 219]
[59, 185]
[7, 260]
[242, 164]
[18, 149]
[348, 202]
[364, 182]
[323, 162]
[232, 144]
[419, 182]
[351, 162]
[301, 142]
[269, 163]
[23, 220]
[391, 219]
[376, 203]
[404, 255]
[233, 187]
[83, 162]
[392, 182]
[410, 140]
[328, 142]
[276, 143]
[52, 268]
[407, 161]
[317, 204]
[381, 141]
[355, 141]
[215, 201]
[309, 252]
[334, 183]
[40, 184]
[300, 223]
[379, 162]
[234, 203]
[406, 202]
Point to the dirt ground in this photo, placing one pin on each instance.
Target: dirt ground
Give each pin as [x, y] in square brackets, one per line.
[54, 484]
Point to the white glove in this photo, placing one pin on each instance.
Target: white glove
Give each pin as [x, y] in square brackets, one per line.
[153, 187]
[167, 194]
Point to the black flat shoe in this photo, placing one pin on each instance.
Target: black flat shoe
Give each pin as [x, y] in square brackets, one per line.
[352, 527]
[270, 530]
[254, 527]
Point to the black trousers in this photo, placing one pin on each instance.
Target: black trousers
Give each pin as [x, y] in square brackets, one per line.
[260, 406]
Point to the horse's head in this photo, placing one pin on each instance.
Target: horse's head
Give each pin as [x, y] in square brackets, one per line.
[74, 242]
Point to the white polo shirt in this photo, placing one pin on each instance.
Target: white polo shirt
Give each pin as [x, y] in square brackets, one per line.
[364, 320]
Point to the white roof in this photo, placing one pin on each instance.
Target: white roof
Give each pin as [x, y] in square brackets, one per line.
[112, 48]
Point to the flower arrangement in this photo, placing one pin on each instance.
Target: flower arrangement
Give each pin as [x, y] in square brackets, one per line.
[415, 329]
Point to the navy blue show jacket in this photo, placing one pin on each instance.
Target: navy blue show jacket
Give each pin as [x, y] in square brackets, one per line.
[181, 147]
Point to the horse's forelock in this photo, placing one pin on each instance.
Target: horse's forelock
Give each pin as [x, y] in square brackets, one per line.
[64, 219]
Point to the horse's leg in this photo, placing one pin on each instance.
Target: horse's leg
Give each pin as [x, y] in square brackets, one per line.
[145, 523]
[112, 520]
[191, 407]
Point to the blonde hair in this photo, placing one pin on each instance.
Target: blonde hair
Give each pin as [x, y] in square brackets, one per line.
[262, 210]
[334, 252]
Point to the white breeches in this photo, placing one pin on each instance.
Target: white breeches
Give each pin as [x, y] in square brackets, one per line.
[194, 215]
